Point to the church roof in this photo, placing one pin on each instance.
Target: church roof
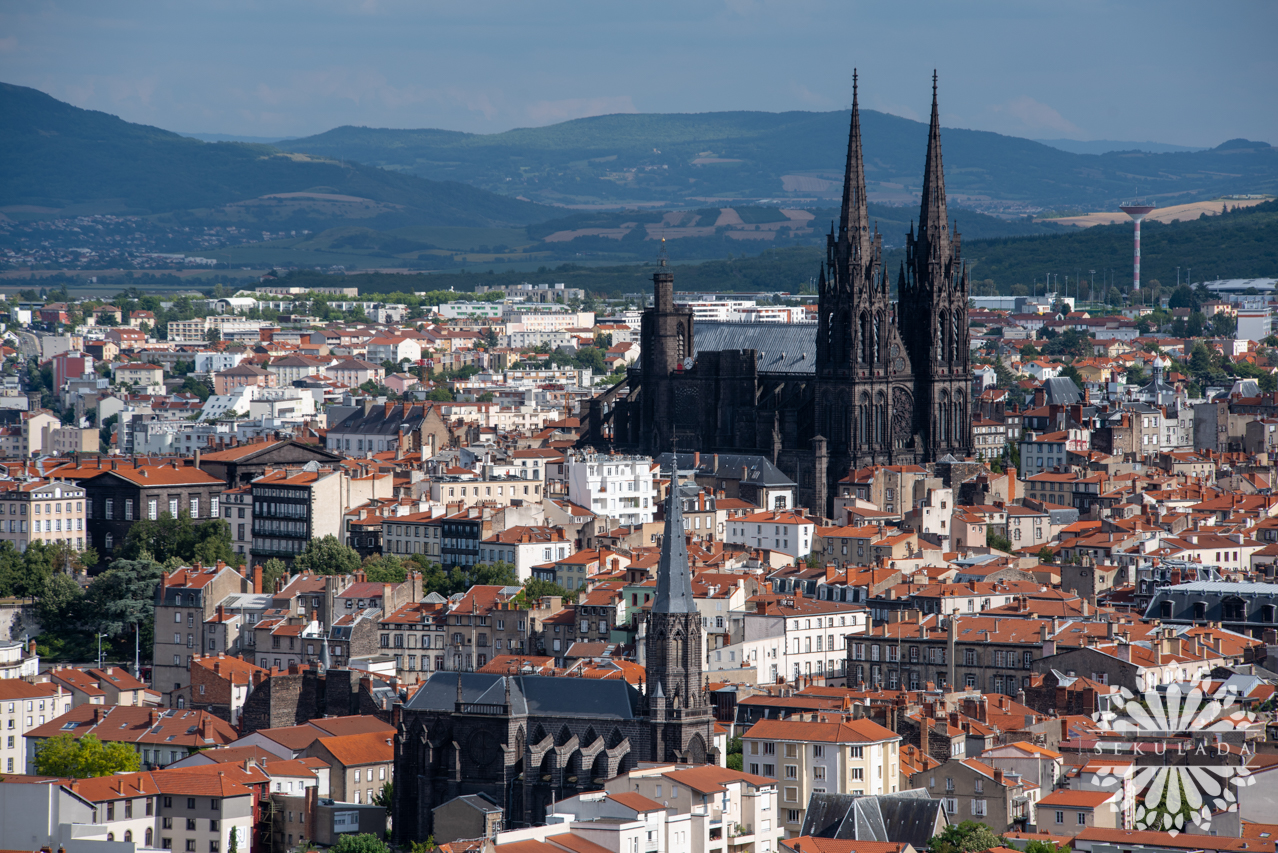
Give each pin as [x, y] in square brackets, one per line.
[532, 695]
[909, 816]
[782, 348]
[674, 577]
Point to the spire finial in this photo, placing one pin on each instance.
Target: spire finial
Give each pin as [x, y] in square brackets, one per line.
[662, 257]
[933, 84]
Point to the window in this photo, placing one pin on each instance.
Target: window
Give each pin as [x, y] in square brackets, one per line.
[1060, 817]
[792, 815]
[1082, 818]
[152, 512]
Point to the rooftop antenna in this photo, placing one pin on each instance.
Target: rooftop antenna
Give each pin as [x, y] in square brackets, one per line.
[662, 257]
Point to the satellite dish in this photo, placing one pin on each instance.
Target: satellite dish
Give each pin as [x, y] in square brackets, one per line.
[688, 362]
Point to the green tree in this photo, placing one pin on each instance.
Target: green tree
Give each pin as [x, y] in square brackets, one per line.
[385, 568]
[385, 797]
[535, 588]
[272, 570]
[440, 394]
[84, 758]
[60, 602]
[205, 542]
[736, 754]
[124, 596]
[1037, 846]
[1029, 350]
[966, 837]
[327, 556]
[993, 540]
[364, 842]
[1045, 555]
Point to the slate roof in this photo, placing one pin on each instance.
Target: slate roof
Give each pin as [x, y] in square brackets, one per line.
[782, 348]
[380, 422]
[759, 470]
[535, 695]
[1061, 391]
[909, 816]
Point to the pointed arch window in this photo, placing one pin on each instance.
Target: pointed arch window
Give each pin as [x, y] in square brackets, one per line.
[865, 338]
[878, 326]
[864, 432]
[681, 345]
[943, 411]
[940, 335]
[954, 335]
[880, 420]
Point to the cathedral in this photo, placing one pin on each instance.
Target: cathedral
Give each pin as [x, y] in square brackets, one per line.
[526, 741]
[872, 382]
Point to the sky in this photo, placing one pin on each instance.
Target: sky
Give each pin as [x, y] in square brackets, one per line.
[1186, 73]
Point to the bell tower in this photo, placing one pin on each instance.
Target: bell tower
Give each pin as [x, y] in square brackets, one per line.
[676, 697]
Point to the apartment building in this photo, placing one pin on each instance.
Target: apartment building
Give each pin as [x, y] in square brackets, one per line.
[970, 789]
[524, 546]
[120, 495]
[787, 532]
[44, 511]
[362, 764]
[470, 489]
[24, 707]
[110, 685]
[184, 601]
[621, 487]
[793, 636]
[291, 508]
[832, 754]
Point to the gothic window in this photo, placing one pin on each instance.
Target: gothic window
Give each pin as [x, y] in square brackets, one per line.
[943, 410]
[880, 419]
[680, 345]
[954, 334]
[864, 436]
[940, 336]
[844, 333]
[865, 338]
[878, 324]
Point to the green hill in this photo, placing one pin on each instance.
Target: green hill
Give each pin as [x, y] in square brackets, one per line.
[1240, 244]
[686, 159]
[56, 157]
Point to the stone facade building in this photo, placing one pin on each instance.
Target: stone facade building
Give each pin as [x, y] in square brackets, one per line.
[863, 386]
[528, 740]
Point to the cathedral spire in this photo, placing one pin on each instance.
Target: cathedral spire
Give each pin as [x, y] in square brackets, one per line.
[854, 218]
[932, 215]
[674, 577]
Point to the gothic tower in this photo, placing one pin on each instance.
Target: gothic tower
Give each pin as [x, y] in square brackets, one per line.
[665, 336]
[863, 374]
[933, 315]
[676, 698]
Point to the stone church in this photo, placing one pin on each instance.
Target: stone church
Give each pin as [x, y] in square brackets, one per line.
[526, 741]
[872, 382]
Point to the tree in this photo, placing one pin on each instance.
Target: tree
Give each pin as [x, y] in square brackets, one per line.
[327, 556]
[535, 588]
[966, 837]
[1071, 373]
[385, 568]
[385, 797]
[272, 570]
[124, 596]
[440, 394]
[206, 542]
[365, 842]
[60, 601]
[1037, 846]
[1029, 350]
[1223, 325]
[1045, 555]
[84, 758]
[1000, 543]
[736, 753]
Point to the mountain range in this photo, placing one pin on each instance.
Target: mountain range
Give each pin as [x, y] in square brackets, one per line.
[58, 158]
[793, 158]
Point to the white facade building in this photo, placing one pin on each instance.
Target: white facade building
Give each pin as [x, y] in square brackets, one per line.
[623, 487]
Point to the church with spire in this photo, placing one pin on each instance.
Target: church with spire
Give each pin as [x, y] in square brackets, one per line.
[526, 740]
[873, 382]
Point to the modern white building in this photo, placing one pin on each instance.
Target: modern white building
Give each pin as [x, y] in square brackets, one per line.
[623, 487]
[775, 530]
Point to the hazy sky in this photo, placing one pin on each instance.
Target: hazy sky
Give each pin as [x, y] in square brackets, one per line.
[1191, 73]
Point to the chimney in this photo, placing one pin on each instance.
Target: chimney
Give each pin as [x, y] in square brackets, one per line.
[925, 723]
[257, 579]
[998, 776]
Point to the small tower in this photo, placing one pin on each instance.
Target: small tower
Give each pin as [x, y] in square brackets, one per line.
[1137, 210]
[677, 703]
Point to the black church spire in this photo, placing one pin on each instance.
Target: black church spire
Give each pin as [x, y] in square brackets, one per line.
[933, 218]
[674, 578]
[854, 218]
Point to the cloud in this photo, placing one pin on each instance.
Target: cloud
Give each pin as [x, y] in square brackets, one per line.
[1037, 116]
[550, 112]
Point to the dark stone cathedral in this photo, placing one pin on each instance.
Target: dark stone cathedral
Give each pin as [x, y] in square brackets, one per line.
[872, 382]
[528, 740]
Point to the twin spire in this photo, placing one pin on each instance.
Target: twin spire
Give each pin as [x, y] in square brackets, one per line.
[854, 218]
[932, 214]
